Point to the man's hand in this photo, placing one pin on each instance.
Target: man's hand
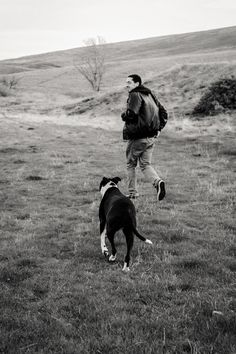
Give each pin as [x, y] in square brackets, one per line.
[129, 116]
[123, 116]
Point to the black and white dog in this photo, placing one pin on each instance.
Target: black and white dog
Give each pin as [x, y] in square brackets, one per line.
[117, 212]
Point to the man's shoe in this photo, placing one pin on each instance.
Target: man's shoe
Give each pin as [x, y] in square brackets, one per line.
[132, 196]
[161, 192]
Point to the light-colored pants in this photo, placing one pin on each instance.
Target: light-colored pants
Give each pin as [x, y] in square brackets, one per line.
[140, 150]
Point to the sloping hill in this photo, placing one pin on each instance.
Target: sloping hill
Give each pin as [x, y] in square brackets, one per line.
[178, 67]
[179, 44]
[150, 48]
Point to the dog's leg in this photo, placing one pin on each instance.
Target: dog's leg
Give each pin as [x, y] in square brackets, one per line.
[112, 258]
[125, 268]
[103, 242]
[129, 240]
[110, 235]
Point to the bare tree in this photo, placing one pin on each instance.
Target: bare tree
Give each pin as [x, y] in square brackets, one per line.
[92, 64]
[10, 82]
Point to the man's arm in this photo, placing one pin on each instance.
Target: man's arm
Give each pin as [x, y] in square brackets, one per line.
[129, 116]
[133, 107]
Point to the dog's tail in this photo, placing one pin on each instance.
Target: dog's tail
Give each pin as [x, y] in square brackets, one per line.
[146, 240]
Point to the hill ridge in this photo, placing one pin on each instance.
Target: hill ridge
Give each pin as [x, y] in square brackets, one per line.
[199, 40]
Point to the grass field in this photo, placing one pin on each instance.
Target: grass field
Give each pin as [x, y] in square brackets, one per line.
[58, 293]
[57, 140]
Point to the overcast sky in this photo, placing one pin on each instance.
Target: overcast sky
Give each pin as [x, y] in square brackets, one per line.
[39, 26]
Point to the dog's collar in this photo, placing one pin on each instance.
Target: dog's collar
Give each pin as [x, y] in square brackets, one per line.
[105, 188]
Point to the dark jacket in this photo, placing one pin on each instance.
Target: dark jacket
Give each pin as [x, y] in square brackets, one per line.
[142, 114]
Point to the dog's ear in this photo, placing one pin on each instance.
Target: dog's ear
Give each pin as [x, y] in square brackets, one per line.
[116, 179]
[104, 181]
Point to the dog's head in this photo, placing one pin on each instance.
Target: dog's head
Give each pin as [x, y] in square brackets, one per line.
[107, 183]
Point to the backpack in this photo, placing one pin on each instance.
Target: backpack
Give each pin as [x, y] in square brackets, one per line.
[163, 115]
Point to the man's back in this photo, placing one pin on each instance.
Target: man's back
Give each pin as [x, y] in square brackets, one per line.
[145, 122]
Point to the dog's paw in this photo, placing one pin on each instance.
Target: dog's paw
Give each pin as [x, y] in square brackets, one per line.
[106, 253]
[148, 241]
[112, 258]
[125, 268]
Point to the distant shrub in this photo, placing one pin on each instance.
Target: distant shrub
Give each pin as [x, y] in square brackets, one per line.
[7, 84]
[4, 91]
[220, 97]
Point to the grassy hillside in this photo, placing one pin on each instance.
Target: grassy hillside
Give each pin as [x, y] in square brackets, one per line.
[179, 88]
[179, 44]
[57, 140]
[55, 74]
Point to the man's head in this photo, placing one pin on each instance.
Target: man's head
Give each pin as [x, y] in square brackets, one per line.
[133, 81]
